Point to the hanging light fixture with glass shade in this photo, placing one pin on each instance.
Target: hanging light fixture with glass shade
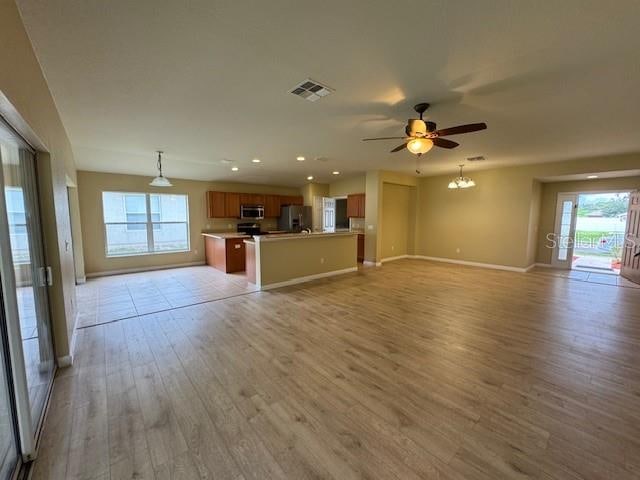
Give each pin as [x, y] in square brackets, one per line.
[160, 180]
[461, 181]
[418, 146]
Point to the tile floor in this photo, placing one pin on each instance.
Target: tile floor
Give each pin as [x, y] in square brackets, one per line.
[590, 277]
[106, 299]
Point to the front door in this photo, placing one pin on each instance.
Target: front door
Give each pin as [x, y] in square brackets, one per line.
[631, 253]
[565, 230]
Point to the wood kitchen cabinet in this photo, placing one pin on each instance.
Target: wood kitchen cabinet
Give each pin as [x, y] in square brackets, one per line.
[227, 204]
[216, 204]
[291, 200]
[225, 254]
[232, 205]
[361, 247]
[251, 199]
[355, 205]
[272, 206]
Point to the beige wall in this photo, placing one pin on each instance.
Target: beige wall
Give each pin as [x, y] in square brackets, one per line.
[92, 184]
[534, 221]
[346, 186]
[76, 234]
[311, 190]
[549, 198]
[25, 101]
[374, 219]
[284, 260]
[495, 222]
[487, 223]
[396, 213]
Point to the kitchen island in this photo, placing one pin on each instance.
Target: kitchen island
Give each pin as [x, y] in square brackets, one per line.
[277, 260]
[225, 251]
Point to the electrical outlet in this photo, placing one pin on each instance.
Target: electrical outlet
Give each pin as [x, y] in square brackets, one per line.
[208, 225]
[195, 252]
[393, 248]
[370, 227]
[458, 250]
[322, 260]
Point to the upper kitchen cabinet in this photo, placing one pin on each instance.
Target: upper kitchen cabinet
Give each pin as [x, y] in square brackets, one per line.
[291, 200]
[216, 205]
[232, 205]
[227, 204]
[251, 199]
[355, 205]
[272, 206]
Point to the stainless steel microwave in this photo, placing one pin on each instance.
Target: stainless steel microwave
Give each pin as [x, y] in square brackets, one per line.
[252, 212]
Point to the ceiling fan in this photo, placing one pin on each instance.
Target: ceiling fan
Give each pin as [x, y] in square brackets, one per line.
[422, 135]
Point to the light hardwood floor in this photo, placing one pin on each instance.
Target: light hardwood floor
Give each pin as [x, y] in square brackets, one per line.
[412, 370]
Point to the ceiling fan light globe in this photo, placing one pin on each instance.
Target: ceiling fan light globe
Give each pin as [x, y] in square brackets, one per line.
[470, 183]
[419, 145]
[453, 185]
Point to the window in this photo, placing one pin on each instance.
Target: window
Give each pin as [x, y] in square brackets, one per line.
[17, 220]
[141, 223]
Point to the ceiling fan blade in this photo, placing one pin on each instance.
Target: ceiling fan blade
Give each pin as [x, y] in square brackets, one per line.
[383, 138]
[471, 127]
[444, 143]
[398, 148]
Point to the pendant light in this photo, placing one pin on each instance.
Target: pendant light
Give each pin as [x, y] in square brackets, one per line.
[461, 181]
[160, 181]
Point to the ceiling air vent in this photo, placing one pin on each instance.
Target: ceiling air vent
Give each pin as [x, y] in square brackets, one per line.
[479, 158]
[311, 90]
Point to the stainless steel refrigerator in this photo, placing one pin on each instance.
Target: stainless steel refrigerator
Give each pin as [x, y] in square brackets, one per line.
[294, 218]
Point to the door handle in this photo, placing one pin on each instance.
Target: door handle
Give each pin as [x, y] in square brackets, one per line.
[42, 277]
[45, 277]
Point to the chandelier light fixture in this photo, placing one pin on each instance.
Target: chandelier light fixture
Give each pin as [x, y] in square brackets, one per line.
[461, 181]
[160, 180]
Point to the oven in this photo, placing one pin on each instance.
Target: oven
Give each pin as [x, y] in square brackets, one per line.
[252, 212]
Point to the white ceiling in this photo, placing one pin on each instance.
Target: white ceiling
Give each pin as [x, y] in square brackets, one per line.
[208, 80]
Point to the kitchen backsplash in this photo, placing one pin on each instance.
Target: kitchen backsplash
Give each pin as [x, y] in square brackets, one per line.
[356, 224]
[230, 224]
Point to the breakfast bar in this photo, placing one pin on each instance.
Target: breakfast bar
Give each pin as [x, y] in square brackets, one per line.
[277, 260]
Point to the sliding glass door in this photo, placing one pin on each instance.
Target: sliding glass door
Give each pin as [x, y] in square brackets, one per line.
[24, 280]
[8, 444]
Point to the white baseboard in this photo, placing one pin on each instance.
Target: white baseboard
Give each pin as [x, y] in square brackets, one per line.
[143, 269]
[308, 278]
[474, 264]
[67, 360]
[391, 259]
[372, 264]
[81, 280]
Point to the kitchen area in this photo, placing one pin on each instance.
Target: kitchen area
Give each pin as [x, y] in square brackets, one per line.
[262, 219]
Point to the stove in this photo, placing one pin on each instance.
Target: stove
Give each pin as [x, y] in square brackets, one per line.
[249, 228]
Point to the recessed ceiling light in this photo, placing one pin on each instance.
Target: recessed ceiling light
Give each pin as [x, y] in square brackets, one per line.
[336, 172]
[592, 176]
[234, 169]
[310, 177]
[300, 159]
[256, 160]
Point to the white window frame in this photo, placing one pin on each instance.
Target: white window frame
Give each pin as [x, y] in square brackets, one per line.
[150, 224]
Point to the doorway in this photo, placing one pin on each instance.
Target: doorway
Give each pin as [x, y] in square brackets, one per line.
[590, 231]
